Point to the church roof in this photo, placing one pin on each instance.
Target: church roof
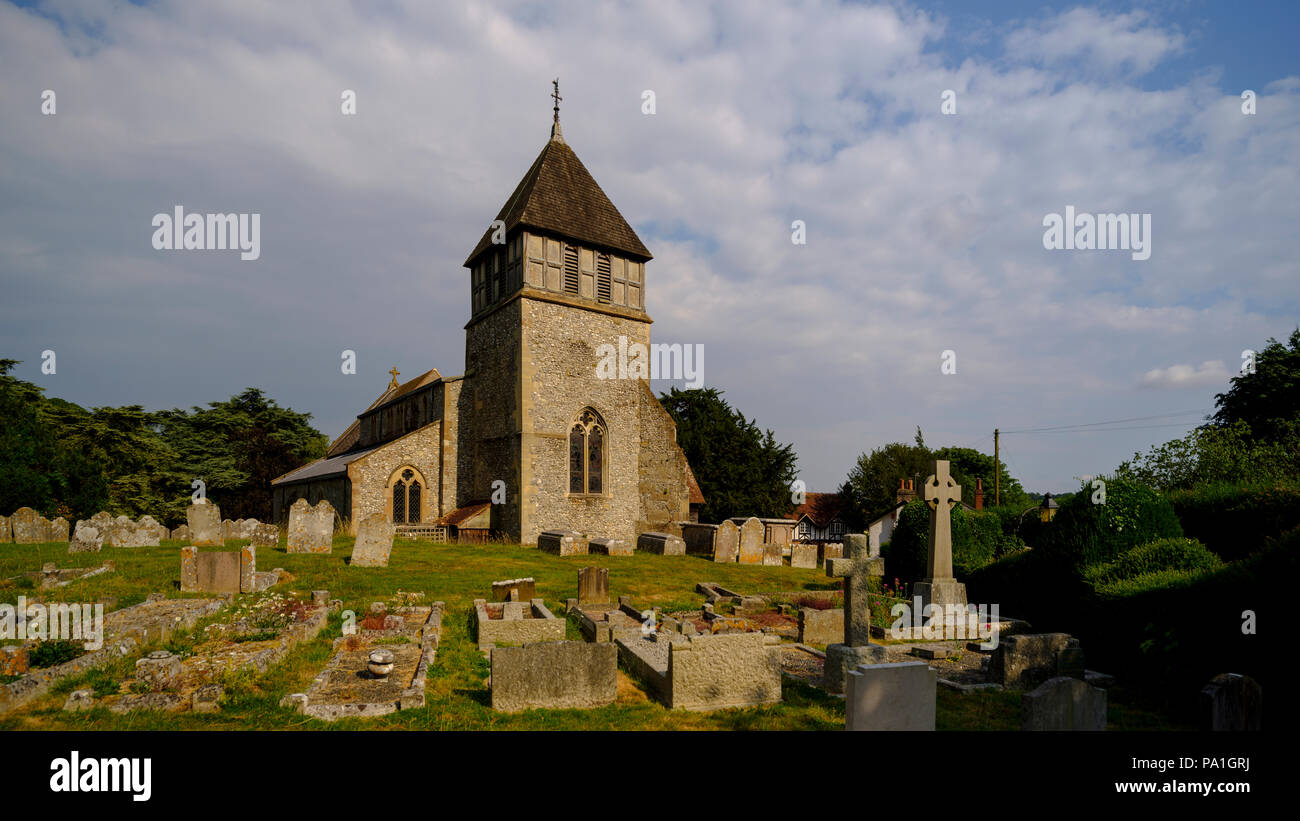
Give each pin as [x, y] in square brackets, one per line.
[697, 496]
[558, 195]
[322, 468]
[348, 438]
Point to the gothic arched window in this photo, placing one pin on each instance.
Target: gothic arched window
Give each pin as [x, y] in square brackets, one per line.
[406, 497]
[587, 453]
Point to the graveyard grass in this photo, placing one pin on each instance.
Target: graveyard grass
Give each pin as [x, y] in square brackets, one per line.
[457, 696]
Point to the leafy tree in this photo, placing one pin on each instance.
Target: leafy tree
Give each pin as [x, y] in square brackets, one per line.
[237, 447]
[27, 445]
[1216, 454]
[1267, 399]
[966, 464]
[741, 470]
[872, 485]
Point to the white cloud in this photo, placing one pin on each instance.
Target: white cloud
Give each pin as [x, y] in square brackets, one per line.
[1209, 374]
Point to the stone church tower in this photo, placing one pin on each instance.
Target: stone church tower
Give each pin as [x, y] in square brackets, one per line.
[558, 274]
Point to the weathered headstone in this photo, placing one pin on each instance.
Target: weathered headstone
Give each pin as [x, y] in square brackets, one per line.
[751, 542]
[211, 572]
[1026, 661]
[554, 675]
[204, 522]
[6, 532]
[29, 526]
[1063, 703]
[374, 541]
[247, 569]
[311, 529]
[522, 590]
[149, 531]
[59, 530]
[803, 555]
[726, 544]
[265, 535]
[121, 533]
[86, 539]
[857, 648]
[940, 589]
[820, 626]
[1232, 702]
[593, 585]
[228, 530]
[772, 554]
[181, 534]
[897, 696]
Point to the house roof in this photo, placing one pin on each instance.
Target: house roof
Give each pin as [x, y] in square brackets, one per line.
[820, 508]
[558, 195]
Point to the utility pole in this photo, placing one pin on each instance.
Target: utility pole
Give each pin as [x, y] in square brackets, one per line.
[997, 472]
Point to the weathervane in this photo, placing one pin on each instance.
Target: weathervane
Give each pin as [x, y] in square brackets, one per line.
[555, 95]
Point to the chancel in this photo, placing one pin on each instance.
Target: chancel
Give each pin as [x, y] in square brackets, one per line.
[530, 415]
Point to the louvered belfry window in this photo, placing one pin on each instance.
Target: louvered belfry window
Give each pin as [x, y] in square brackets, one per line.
[587, 453]
[602, 278]
[570, 269]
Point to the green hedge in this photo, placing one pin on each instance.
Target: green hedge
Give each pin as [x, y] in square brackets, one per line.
[1084, 533]
[1164, 555]
[975, 539]
[1232, 520]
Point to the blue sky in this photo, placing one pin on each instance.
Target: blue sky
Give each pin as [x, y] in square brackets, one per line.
[924, 229]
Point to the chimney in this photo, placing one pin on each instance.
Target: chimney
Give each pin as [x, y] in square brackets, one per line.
[906, 490]
[979, 494]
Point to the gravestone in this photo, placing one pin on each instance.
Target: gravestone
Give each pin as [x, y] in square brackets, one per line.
[204, 521]
[1026, 661]
[149, 531]
[181, 534]
[562, 542]
[1232, 702]
[59, 530]
[726, 544]
[247, 569]
[662, 544]
[29, 526]
[554, 675]
[857, 648]
[803, 555]
[1064, 703]
[897, 696]
[607, 546]
[211, 572]
[940, 589]
[374, 541]
[228, 530]
[593, 585]
[514, 590]
[265, 535]
[86, 539]
[6, 533]
[121, 533]
[311, 529]
[751, 542]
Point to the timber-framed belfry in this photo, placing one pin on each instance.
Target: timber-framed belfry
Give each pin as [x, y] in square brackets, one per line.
[529, 439]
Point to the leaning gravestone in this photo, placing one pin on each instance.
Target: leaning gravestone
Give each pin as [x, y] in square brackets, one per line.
[1063, 704]
[898, 696]
[59, 530]
[311, 529]
[204, 521]
[374, 541]
[857, 648]
[726, 544]
[751, 542]
[86, 539]
[29, 526]
[1232, 702]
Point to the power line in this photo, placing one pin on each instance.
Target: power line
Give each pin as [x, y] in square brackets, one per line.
[1110, 422]
[1105, 430]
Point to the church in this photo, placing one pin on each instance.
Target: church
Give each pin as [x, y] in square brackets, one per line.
[529, 438]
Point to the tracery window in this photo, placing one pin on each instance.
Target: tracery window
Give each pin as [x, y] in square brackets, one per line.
[587, 453]
[406, 498]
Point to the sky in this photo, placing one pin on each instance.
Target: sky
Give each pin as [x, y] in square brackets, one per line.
[924, 230]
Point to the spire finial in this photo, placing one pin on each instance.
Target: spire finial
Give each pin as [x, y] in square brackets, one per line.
[395, 372]
[555, 95]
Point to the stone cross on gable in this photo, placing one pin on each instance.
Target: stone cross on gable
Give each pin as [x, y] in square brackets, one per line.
[941, 495]
[854, 571]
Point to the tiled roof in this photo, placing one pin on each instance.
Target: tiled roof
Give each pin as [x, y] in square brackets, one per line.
[322, 468]
[558, 195]
[465, 513]
[820, 507]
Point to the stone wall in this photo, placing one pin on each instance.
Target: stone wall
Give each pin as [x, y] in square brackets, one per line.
[371, 473]
[488, 408]
[554, 675]
[665, 498]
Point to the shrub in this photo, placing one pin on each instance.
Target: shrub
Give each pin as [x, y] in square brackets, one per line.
[974, 541]
[1186, 555]
[53, 653]
[1084, 533]
[1234, 521]
[1146, 582]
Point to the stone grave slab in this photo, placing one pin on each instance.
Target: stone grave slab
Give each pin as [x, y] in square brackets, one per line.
[562, 542]
[662, 544]
[610, 547]
[554, 675]
[892, 696]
